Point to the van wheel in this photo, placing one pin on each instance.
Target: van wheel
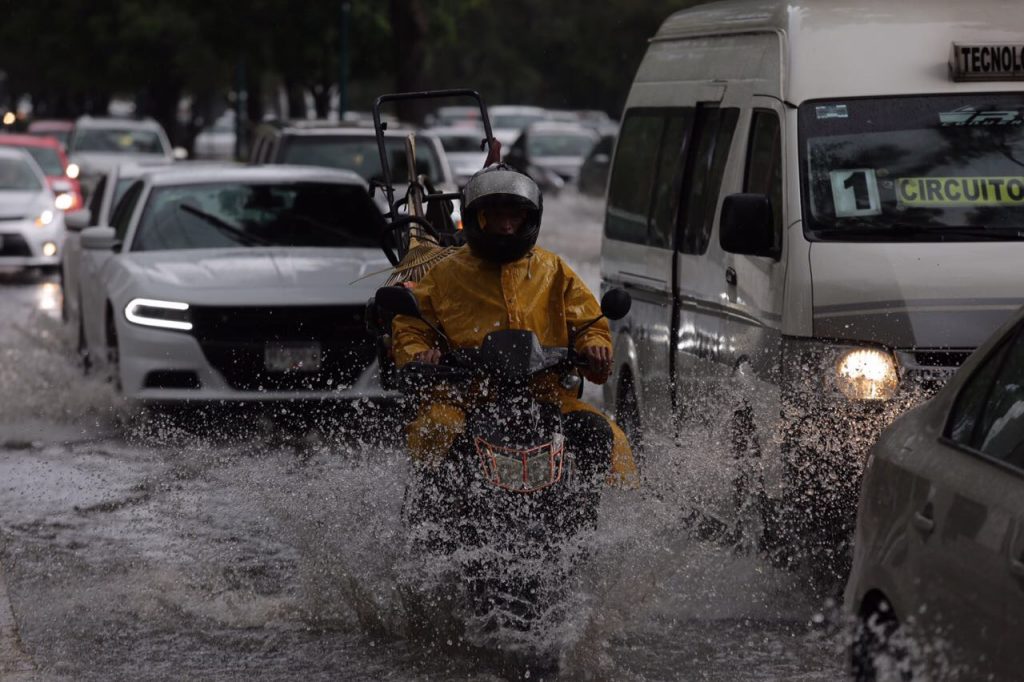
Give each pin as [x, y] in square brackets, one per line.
[627, 413]
[880, 648]
[750, 501]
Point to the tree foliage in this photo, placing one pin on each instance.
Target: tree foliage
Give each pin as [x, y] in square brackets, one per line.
[72, 56]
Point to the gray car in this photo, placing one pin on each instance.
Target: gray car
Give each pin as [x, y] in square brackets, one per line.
[938, 571]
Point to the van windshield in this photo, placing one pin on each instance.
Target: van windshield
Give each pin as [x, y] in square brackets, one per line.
[931, 168]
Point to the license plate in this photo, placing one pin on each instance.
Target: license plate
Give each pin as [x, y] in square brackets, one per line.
[292, 357]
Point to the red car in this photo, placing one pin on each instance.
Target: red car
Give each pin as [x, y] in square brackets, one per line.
[57, 128]
[49, 153]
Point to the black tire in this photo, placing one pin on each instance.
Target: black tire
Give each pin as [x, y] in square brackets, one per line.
[81, 348]
[880, 646]
[113, 352]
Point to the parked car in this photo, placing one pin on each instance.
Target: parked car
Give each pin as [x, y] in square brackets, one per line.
[455, 117]
[509, 120]
[55, 128]
[97, 144]
[225, 282]
[217, 141]
[939, 545]
[462, 147]
[593, 176]
[31, 226]
[316, 143]
[49, 154]
[551, 153]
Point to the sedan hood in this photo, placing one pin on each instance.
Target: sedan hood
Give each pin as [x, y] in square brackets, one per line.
[19, 204]
[93, 163]
[915, 295]
[257, 276]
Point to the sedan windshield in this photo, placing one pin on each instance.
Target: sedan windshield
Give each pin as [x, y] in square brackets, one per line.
[230, 215]
[117, 141]
[931, 168]
[16, 176]
[558, 144]
[360, 154]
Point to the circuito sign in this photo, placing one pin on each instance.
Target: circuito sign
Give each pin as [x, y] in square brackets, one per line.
[987, 62]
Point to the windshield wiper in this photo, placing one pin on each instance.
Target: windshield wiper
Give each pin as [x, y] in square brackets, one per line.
[225, 226]
[955, 232]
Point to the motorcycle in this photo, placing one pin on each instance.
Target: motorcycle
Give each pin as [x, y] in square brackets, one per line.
[506, 507]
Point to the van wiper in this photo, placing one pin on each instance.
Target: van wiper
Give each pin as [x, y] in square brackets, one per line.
[936, 233]
[224, 226]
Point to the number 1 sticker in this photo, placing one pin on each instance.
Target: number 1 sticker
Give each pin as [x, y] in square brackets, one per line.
[855, 192]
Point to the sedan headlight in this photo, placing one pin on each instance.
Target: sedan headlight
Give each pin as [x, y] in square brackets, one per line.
[867, 374]
[44, 218]
[73, 170]
[149, 312]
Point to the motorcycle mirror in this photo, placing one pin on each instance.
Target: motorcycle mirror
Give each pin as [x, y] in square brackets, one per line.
[615, 304]
[398, 300]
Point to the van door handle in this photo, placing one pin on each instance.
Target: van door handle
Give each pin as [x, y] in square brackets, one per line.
[924, 522]
[730, 276]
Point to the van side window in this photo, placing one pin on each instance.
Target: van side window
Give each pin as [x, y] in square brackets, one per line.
[713, 131]
[669, 178]
[764, 163]
[629, 191]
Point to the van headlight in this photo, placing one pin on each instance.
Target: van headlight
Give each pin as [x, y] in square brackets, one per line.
[149, 312]
[867, 374]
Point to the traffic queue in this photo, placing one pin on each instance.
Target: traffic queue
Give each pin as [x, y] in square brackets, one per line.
[816, 210]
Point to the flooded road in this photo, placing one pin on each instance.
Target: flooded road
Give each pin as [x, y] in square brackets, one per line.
[258, 547]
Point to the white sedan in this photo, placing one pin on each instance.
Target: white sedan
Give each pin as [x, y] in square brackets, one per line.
[235, 283]
[31, 226]
[938, 570]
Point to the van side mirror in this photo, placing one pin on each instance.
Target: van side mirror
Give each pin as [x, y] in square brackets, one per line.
[615, 304]
[746, 226]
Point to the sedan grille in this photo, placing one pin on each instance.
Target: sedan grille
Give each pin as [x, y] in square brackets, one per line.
[13, 245]
[234, 341]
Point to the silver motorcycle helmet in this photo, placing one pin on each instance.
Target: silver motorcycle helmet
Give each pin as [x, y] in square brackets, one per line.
[500, 186]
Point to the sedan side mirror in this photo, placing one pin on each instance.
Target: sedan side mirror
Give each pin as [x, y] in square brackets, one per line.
[746, 226]
[100, 238]
[76, 221]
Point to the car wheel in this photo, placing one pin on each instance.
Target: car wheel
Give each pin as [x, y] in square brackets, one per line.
[80, 345]
[880, 648]
[113, 352]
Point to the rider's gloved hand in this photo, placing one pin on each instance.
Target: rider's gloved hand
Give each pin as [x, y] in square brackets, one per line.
[430, 357]
[599, 363]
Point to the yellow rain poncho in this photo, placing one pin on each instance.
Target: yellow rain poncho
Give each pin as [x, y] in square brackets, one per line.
[468, 298]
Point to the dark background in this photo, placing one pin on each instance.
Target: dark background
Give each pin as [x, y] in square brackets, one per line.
[73, 56]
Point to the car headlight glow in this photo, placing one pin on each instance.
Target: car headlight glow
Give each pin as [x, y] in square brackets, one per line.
[49, 249]
[44, 218]
[867, 374]
[150, 312]
[72, 170]
[64, 201]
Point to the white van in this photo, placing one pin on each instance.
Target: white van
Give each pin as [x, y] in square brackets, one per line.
[815, 205]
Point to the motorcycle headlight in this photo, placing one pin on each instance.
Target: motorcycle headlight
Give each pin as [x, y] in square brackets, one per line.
[867, 374]
[149, 312]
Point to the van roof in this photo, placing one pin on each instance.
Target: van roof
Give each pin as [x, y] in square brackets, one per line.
[851, 48]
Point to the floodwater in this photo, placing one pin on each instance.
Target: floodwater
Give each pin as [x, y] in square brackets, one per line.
[257, 546]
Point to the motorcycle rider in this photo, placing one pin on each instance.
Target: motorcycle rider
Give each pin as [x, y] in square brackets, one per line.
[501, 280]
